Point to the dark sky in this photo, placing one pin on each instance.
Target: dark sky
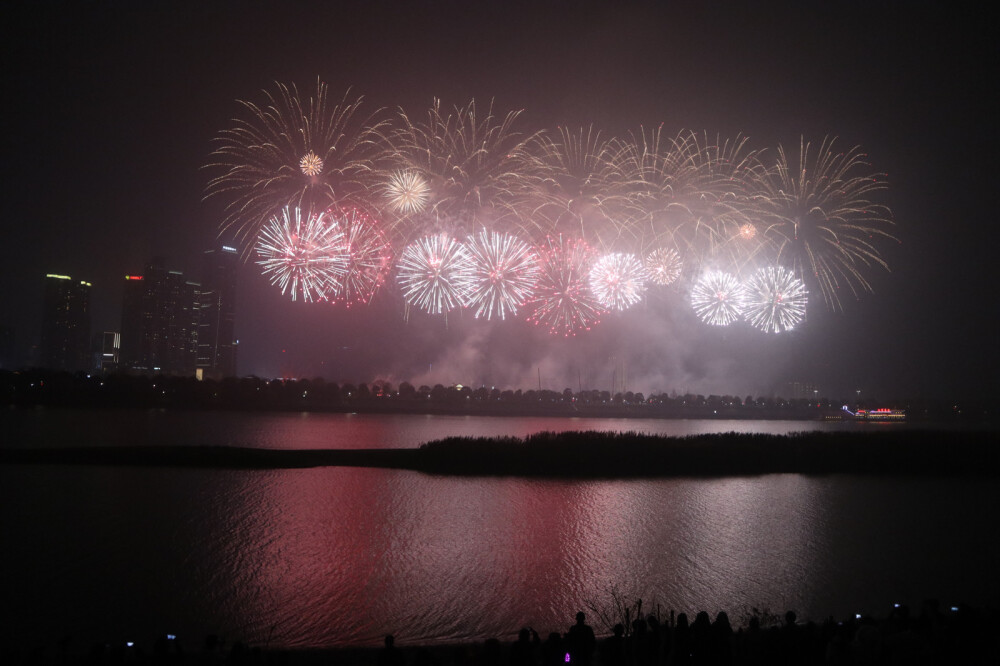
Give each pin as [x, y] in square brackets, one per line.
[110, 109]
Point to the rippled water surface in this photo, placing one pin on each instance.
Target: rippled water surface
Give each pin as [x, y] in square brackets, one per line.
[335, 556]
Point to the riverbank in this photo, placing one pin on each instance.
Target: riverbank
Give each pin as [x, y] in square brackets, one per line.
[590, 455]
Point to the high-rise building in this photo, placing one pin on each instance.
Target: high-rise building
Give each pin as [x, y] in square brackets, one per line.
[216, 331]
[160, 314]
[65, 338]
[111, 342]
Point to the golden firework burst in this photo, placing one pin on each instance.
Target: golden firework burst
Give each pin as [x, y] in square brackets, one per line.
[311, 164]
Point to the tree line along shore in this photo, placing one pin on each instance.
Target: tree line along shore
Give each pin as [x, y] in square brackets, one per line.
[28, 388]
[591, 454]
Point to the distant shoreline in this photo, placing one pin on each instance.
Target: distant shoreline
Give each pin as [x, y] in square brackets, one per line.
[589, 455]
[33, 388]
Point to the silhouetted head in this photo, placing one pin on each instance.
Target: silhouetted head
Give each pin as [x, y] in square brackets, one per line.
[580, 617]
[619, 630]
[790, 618]
[524, 635]
[389, 640]
[682, 621]
[722, 621]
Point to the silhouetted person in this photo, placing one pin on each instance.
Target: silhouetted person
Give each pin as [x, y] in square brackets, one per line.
[680, 652]
[613, 648]
[581, 641]
[659, 640]
[722, 640]
[492, 652]
[792, 646]
[701, 638]
[751, 644]
[522, 652]
[553, 650]
[390, 655]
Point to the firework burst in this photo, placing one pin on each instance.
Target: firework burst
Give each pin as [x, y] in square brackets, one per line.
[369, 257]
[618, 281]
[663, 266]
[311, 164]
[774, 300]
[302, 254]
[563, 301]
[505, 269]
[407, 192]
[293, 151]
[435, 273]
[717, 298]
[820, 214]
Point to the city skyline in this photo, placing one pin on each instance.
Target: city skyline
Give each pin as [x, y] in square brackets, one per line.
[130, 133]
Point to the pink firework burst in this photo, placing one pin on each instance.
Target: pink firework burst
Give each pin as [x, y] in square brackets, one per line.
[563, 301]
[369, 256]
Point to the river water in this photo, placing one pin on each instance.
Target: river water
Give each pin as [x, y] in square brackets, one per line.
[341, 556]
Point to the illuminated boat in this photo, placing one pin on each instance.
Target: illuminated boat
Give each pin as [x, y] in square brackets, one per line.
[883, 414]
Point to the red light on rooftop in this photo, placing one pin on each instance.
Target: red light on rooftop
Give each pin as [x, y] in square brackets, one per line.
[133, 277]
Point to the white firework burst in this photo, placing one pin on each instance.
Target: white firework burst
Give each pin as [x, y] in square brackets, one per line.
[663, 266]
[618, 280]
[717, 298]
[435, 273]
[505, 270]
[302, 254]
[774, 300]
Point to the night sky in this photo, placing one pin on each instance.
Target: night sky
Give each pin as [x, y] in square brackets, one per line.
[110, 110]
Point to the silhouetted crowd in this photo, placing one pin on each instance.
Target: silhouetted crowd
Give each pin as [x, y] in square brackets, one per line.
[933, 635]
[959, 635]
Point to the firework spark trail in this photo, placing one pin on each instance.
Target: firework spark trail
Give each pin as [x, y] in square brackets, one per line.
[774, 300]
[435, 273]
[577, 187]
[663, 265]
[692, 193]
[505, 270]
[369, 257]
[563, 302]
[717, 298]
[471, 163]
[820, 214]
[291, 151]
[302, 254]
[618, 281]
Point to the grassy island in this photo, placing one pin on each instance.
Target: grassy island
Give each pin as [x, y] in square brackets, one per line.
[592, 455]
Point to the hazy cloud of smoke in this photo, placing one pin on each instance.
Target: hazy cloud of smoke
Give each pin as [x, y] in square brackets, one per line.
[658, 346]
